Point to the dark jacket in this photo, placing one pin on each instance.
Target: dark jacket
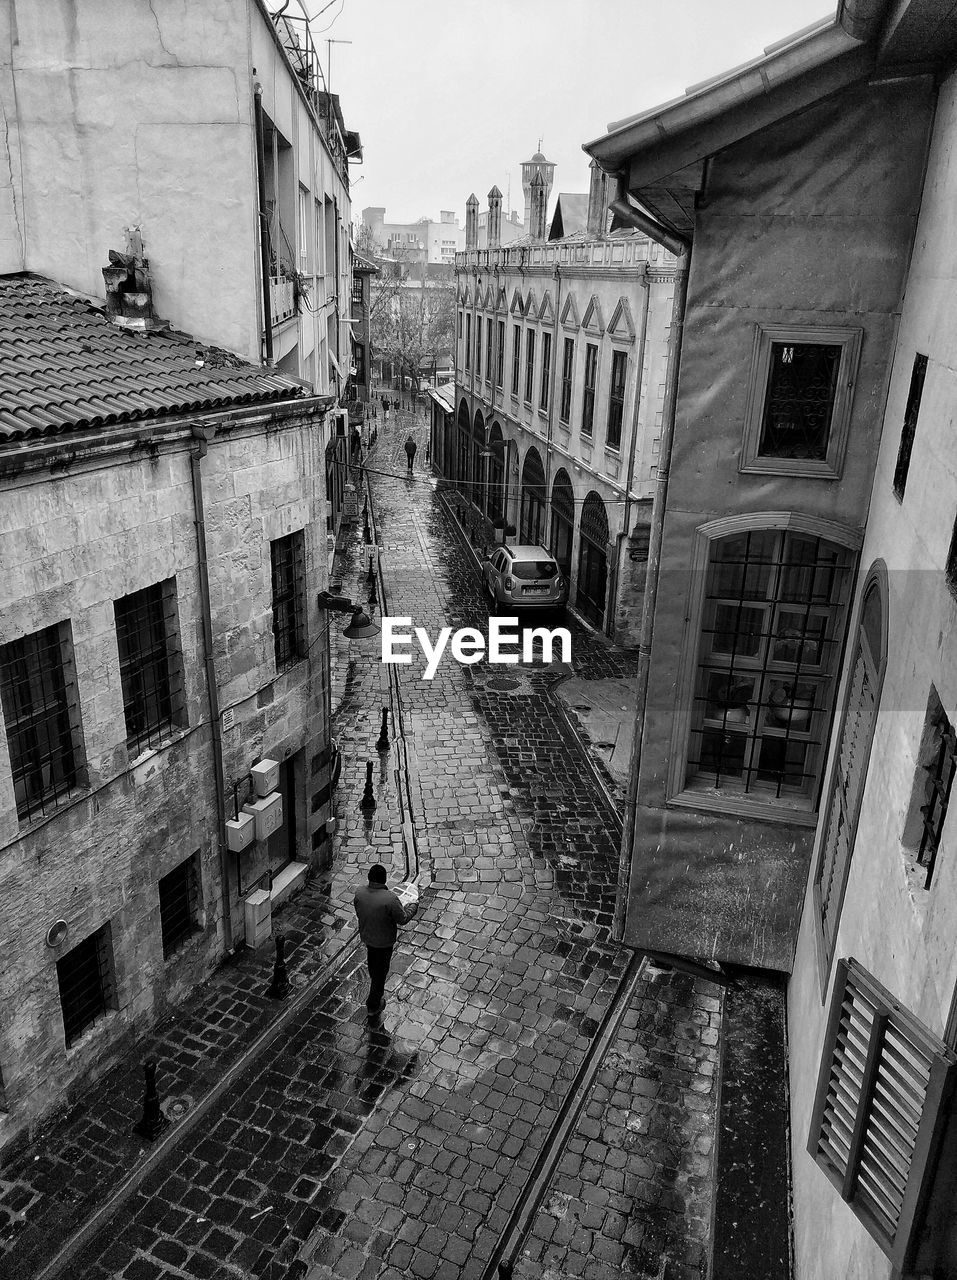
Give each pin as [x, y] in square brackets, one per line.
[410, 447]
[380, 913]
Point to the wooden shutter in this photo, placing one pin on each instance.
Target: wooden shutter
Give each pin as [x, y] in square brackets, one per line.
[847, 790]
[880, 1106]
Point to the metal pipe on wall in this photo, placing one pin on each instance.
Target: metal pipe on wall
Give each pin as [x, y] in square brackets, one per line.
[197, 452]
[263, 225]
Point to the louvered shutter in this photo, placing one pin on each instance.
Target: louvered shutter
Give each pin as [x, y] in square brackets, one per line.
[879, 1109]
[847, 790]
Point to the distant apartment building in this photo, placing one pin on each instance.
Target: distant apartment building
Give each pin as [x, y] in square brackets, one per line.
[561, 346]
[425, 241]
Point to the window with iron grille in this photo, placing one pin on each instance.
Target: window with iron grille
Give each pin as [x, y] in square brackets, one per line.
[546, 371]
[770, 643]
[936, 766]
[488, 349]
[529, 364]
[288, 598]
[843, 805]
[150, 666]
[516, 356]
[38, 697]
[86, 983]
[909, 429]
[616, 398]
[478, 346]
[568, 370]
[500, 355]
[588, 388]
[357, 291]
[179, 904]
[880, 1109]
[468, 342]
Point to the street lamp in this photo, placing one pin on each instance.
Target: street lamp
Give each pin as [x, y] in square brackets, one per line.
[360, 627]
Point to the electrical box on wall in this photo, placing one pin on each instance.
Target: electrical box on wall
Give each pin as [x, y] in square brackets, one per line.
[265, 777]
[240, 832]
[267, 810]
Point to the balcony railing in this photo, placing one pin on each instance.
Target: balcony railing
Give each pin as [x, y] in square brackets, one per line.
[282, 299]
[630, 252]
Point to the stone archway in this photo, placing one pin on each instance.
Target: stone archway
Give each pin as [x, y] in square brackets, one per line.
[592, 585]
[531, 522]
[562, 529]
[495, 502]
[463, 437]
[476, 494]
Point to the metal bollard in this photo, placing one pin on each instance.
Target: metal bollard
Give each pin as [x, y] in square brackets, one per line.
[370, 576]
[382, 742]
[154, 1121]
[279, 987]
[368, 796]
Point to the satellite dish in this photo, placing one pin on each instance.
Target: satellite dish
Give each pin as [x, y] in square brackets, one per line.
[57, 933]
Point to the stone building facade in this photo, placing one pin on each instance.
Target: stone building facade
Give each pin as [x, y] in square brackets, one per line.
[162, 537]
[561, 347]
[814, 424]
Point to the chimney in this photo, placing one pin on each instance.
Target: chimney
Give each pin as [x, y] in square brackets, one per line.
[539, 197]
[471, 222]
[494, 218]
[597, 200]
[129, 290]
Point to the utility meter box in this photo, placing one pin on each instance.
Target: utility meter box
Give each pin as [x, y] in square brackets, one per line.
[240, 832]
[265, 777]
[258, 913]
[268, 814]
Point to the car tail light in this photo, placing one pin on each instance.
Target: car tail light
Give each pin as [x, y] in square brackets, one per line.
[509, 584]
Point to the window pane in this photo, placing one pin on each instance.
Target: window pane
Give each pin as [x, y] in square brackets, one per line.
[802, 385]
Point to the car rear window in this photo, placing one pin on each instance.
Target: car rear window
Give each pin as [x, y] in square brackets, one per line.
[530, 570]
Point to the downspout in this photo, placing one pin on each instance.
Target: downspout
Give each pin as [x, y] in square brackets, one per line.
[263, 226]
[335, 299]
[553, 375]
[197, 452]
[636, 407]
[682, 249]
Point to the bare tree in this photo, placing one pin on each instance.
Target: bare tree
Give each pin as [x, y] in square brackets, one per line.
[414, 327]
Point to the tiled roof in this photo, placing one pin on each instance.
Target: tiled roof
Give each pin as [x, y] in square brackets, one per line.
[64, 365]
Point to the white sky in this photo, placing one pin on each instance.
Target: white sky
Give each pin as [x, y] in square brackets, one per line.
[450, 96]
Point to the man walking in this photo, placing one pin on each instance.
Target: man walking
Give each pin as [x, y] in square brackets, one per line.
[380, 915]
[410, 451]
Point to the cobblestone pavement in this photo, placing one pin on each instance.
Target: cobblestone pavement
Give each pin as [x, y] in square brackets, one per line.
[401, 1148]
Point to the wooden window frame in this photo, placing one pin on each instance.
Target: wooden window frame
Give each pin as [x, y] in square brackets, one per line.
[568, 381]
[589, 390]
[134, 662]
[546, 375]
[831, 466]
[681, 792]
[915, 394]
[468, 343]
[829, 881]
[616, 401]
[878, 1148]
[500, 356]
[516, 359]
[529, 365]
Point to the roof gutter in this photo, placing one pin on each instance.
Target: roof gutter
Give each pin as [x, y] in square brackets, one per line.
[682, 249]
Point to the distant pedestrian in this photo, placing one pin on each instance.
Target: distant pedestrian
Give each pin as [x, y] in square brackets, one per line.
[410, 451]
[381, 915]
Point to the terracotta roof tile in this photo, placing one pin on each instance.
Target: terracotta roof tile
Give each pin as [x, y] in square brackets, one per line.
[65, 365]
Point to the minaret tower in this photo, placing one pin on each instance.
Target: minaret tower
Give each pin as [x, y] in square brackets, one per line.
[537, 164]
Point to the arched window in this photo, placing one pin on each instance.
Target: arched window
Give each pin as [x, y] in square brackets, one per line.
[849, 773]
[532, 513]
[593, 559]
[477, 494]
[771, 633]
[563, 521]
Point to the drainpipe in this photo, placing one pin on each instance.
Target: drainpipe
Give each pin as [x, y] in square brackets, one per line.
[682, 249]
[263, 227]
[197, 452]
[553, 376]
[636, 406]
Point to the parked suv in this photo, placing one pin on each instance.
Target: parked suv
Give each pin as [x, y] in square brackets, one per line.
[525, 577]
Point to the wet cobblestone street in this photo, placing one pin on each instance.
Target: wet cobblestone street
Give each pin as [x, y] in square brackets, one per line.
[402, 1147]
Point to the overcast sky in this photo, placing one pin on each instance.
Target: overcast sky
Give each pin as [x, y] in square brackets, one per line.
[450, 96]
